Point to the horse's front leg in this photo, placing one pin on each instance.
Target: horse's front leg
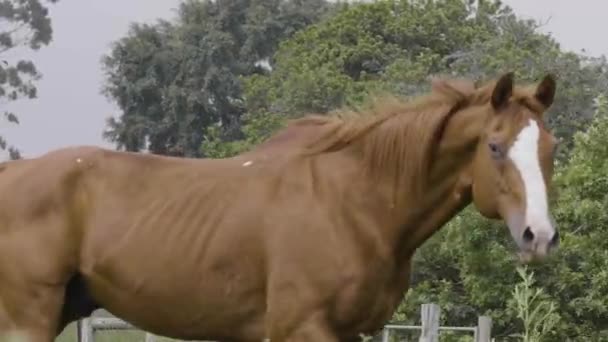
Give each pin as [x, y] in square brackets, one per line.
[314, 329]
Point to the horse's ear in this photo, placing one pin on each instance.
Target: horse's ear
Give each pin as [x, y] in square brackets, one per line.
[502, 91]
[545, 92]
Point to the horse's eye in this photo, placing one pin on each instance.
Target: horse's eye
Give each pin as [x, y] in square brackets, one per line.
[495, 150]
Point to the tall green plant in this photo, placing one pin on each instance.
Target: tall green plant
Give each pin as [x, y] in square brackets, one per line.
[537, 313]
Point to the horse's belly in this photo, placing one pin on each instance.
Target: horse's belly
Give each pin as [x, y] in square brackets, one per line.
[203, 315]
[180, 292]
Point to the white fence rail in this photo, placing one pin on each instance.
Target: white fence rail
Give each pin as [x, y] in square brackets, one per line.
[89, 326]
[429, 329]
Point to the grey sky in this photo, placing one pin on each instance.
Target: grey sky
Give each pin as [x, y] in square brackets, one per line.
[71, 111]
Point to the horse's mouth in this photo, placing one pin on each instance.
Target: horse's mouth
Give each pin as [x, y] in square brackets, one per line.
[526, 257]
[530, 257]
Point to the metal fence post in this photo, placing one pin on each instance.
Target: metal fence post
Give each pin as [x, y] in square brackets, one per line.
[79, 330]
[85, 331]
[385, 333]
[429, 314]
[484, 325]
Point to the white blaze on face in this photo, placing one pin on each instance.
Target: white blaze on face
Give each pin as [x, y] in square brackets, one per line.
[524, 154]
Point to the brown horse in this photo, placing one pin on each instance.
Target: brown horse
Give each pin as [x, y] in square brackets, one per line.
[308, 237]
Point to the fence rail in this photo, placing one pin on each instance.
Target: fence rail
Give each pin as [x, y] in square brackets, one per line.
[429, 328]
[89, 326]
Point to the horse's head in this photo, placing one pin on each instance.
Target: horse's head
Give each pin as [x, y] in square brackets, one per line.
[513, 165]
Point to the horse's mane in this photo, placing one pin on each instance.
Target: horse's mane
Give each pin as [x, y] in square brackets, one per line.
[399, 134]
[415, 120]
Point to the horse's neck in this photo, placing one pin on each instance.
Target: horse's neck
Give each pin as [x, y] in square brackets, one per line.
[448, 189]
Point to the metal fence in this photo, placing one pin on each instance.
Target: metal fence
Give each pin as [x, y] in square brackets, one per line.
[429, 328]
[89, 326]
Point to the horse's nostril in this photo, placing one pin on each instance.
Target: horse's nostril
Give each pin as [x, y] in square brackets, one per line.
[528, 235]
[555, 239]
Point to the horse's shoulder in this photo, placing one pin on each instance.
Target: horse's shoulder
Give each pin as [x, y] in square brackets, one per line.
[47, 173]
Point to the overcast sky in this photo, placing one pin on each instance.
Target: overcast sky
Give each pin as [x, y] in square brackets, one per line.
[71, 111]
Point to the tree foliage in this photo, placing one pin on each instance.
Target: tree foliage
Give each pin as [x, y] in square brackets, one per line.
[174, 80]
[26, 24]
[395, 45]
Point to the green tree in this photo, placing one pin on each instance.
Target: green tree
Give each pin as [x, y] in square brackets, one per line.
[394, 45]
[256, 128]
[580, 278]
[173, 80]
[26, 25]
